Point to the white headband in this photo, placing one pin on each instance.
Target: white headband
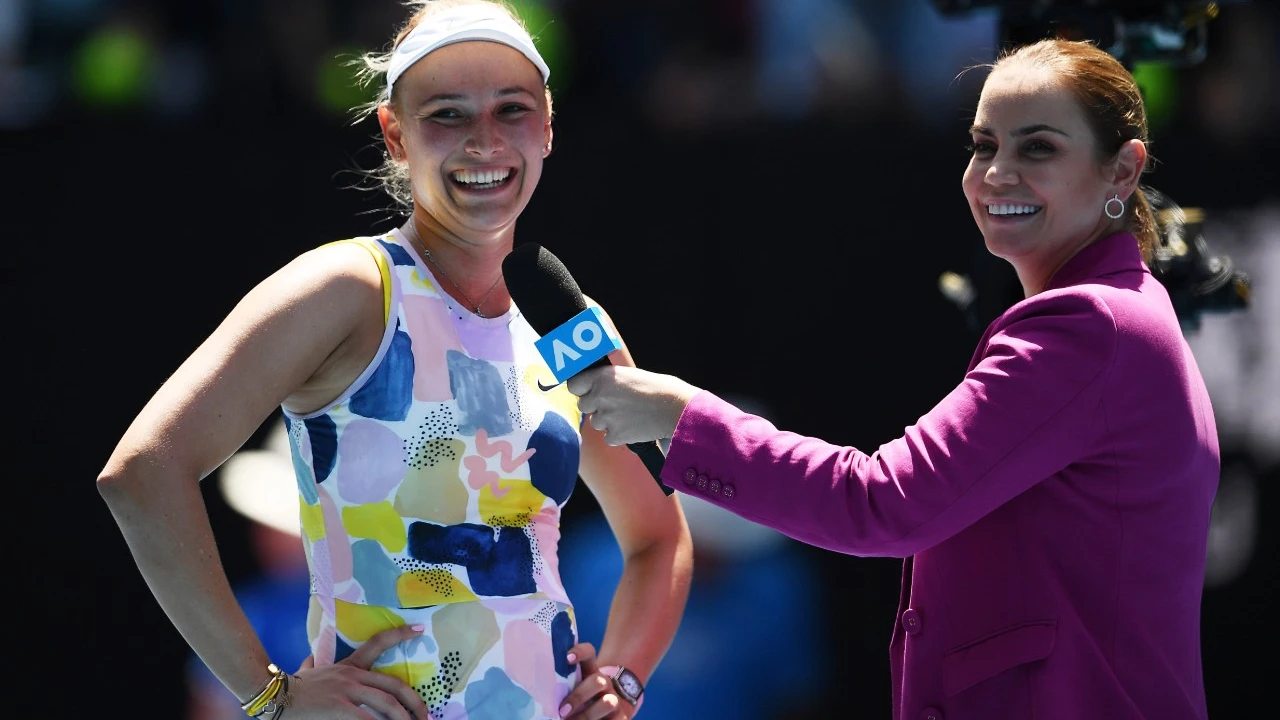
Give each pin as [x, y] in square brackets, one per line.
[481, 21]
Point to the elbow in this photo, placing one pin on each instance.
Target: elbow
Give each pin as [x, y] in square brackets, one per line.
[119, 484]
[113, 485]
[673, 550]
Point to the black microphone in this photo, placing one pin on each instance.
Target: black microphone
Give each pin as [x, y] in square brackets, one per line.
[548, 297]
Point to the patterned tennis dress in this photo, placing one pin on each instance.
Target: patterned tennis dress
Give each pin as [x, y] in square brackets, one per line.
[431, 493]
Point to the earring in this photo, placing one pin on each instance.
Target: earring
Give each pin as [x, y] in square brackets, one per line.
[1106, 207]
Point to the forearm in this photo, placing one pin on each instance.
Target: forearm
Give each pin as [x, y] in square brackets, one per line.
[165, 523]
[647, 607]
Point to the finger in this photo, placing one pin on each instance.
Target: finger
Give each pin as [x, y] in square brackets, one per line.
[307, 663]
[597, 421]
[605, 706]
[366, 654]
[394, 686]
[584, 655]
[386, 705]
[580, 384]
[587, 404]
[583, 695]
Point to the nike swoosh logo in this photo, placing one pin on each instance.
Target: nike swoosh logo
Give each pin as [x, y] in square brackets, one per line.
[545, 388]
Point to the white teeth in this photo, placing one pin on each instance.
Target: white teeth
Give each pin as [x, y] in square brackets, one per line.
[487, 178]
[1006, 209]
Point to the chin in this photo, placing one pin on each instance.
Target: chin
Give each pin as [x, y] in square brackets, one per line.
[1003, 246]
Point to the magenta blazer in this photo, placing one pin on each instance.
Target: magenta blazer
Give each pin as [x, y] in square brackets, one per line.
[1053, 509]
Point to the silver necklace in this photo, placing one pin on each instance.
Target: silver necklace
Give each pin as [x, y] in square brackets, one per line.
[426, 255]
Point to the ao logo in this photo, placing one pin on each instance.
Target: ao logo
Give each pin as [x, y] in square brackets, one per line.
[575, 345]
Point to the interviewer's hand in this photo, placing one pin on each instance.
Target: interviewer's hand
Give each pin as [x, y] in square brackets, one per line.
[631, 405]
[348, 689]
[593, 698]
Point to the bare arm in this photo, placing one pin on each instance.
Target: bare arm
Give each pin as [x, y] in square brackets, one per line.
[656, 547]
[291, 337]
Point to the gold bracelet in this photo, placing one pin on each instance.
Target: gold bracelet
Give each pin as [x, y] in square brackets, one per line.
[282, 700]
[253, 707]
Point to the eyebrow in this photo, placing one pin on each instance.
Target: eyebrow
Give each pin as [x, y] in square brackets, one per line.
[456, 97]
[1028, 130]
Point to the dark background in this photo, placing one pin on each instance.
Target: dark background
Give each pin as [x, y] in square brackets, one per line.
[756, 239]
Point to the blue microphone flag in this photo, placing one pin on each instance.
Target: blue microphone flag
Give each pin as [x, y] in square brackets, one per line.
[577, 344]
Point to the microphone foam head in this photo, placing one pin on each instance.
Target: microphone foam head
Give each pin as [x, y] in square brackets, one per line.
[541, 286]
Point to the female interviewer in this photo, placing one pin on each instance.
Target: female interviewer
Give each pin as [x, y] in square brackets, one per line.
[1053, 509]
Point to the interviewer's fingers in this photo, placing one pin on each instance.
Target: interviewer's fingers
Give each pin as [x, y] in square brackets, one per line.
[582, 383]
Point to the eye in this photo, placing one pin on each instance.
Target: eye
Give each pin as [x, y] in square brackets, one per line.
[981, 148]
[445, 115]
[513, 108]
[1037, 147]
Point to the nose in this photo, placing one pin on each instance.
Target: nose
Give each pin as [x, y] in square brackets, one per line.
[1000, 173]
[486, 140]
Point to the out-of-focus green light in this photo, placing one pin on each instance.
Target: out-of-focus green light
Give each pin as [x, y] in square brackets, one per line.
[113, 67]
[338, 84]
[1159, 84]
[549, 37]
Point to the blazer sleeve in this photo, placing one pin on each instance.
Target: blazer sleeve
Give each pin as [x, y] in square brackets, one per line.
[1028, 407]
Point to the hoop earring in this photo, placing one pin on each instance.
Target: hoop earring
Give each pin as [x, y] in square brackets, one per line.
[1106, 207]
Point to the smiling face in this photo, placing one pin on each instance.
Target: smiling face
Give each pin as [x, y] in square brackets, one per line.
[472, 123]
[1036, 182]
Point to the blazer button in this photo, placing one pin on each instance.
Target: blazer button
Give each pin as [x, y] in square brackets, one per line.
[689, 476]
[727, 491]
[931, 713]
[912, 622]
[702, 482]
[714, 487]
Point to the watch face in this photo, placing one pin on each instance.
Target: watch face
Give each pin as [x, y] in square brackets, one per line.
[630, 683]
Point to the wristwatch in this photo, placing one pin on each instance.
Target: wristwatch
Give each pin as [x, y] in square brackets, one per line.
[627, 685]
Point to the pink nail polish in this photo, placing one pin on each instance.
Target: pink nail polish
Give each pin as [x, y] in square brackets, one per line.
[417, 628]
[573, 657]
[564, 709]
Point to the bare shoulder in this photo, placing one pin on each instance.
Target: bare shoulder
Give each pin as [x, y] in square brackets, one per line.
[340, 268]
[339, 296]
[291, 339]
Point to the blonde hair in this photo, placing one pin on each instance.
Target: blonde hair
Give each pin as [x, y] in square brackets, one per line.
[1112, 104]
[372, 69]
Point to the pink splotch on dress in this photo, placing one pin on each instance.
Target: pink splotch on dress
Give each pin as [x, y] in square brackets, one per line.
[339, 544]
[325, 648]
[546, 530]
[428, 317]
[523, 650]
[323, 576]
